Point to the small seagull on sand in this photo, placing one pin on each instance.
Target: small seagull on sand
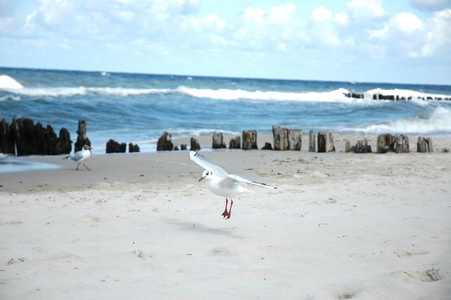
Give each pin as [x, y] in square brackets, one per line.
[81, 156]
[221, 183]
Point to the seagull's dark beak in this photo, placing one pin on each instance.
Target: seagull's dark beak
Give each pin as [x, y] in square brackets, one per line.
[202, 178]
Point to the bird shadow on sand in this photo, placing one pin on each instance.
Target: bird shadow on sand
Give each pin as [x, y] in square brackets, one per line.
[201, 228]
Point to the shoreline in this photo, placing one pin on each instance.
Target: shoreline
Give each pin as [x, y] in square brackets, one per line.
[110, 168]
[206, 142]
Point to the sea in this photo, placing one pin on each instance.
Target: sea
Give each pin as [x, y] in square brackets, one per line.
[138, 108]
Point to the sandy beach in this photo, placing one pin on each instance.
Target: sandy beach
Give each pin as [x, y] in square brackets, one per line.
[141, 226]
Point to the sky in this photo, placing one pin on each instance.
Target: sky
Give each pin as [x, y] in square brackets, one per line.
[356, 40]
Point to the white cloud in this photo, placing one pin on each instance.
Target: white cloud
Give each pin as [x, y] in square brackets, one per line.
[406, 34]
[282, 47]
[281, 14]
[373, 51]
[55, 12]
[123, 16]
[406, 22]
[366, 9]
[432, 5]
[413, 54]
[381, 34]
[211, 19]
[254, 15]
[180, 28]
[321, 14]
[184, 7]
[438, 35]
[257, 28]
[342, 18]
[210, 23]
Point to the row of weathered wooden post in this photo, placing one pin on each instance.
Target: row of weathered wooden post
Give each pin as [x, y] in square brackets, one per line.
[395, 97]
[23, 137]
[291, 139]
[249, 142]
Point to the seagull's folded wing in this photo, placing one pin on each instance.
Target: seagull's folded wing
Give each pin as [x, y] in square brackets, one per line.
[250, 181]
[77, 156]
[207, 165]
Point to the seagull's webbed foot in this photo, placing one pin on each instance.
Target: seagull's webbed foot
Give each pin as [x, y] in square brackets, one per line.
[226, 214]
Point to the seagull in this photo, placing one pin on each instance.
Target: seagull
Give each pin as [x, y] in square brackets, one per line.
[218, 181]
[81, 156]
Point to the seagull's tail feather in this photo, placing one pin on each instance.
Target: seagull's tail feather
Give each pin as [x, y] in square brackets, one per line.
[266, 186]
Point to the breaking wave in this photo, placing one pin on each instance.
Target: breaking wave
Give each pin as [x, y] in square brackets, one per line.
[436, 122]
[220, 94]
[338, 95]
[7, 82]
[14, 89]
[227, 94]
[9, 98]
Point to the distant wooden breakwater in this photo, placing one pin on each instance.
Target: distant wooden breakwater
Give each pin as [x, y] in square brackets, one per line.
[22, 137]
[396, 97]
[291, 139]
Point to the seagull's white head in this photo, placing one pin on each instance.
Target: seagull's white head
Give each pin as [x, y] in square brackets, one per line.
[205, 174]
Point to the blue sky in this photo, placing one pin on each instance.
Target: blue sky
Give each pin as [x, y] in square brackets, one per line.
[355, 40]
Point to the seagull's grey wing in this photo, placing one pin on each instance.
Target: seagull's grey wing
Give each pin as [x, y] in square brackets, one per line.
[77, 156]
[250, 181]
[207, 165]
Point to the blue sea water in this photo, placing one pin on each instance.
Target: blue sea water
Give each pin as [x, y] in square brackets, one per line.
[137, 108]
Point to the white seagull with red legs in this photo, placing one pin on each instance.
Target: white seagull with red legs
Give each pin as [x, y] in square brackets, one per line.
[218, 181]
[81, 156]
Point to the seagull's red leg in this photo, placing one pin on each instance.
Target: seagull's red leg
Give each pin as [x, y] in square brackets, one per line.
[230, 210]
[225, 213]
[87, 167]
[77, 167]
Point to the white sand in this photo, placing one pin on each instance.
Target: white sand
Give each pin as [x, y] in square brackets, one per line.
[140, 226]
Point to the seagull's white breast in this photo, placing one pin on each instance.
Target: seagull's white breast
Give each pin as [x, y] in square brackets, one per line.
[225, 187]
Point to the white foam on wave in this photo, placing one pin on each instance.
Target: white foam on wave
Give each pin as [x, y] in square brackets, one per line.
[125, 92]
[439, 121]
[9, 97]
[227, 94]
[220, 94]
[52, 92]
[337, 95]
[82, 91]
[7, 82]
